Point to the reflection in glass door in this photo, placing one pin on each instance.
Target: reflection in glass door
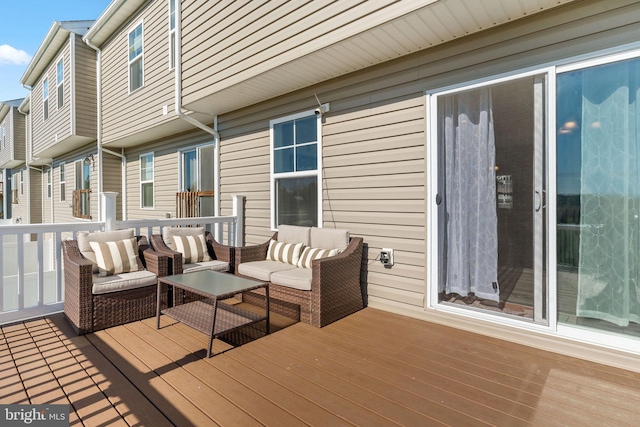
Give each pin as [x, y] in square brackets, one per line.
[491, 199]
[598, 202]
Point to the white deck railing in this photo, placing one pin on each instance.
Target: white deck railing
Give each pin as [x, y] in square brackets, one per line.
[31, 270]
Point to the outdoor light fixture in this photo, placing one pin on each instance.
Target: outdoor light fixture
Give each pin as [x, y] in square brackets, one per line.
[89, 160]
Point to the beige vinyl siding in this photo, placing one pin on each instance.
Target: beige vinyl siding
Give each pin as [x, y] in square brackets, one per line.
[166, 179]
[6, 142]
[85, 90]
[374, 154]
[20, 211]
[19, 135]
[253, 37]
[35, 196]
[124, 113]
[58, 125]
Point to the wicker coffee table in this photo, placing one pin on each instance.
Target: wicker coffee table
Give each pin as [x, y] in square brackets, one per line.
[197, 302]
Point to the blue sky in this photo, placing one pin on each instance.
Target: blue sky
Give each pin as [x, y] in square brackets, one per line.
[25, 23]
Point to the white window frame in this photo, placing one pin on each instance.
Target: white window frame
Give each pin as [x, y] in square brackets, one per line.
[317, 172]
[62, 174]
[148, 181]
[172, 33]
[45, 99]
[22, 182]
[60, 82]
[139, 57]
[49, 183]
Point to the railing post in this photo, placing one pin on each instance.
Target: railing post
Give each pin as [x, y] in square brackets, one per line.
[108, 214]
[238, 212]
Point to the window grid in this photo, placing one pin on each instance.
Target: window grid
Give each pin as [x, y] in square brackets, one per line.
[60, 82]
[136, 58]
[172, 33]
[45, 99]
[63, 192]
[146, 181]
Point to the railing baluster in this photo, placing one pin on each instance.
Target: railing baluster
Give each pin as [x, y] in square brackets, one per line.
[40, 272]
[57, 263]
[20, 249]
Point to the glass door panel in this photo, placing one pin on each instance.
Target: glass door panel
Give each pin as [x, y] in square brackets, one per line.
[598, 201]
[491, 198]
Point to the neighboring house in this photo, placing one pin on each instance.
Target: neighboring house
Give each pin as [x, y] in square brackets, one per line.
[12, 160]
[167, 162]
[63, 123]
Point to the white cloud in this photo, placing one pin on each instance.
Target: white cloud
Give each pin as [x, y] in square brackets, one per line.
[12, 56]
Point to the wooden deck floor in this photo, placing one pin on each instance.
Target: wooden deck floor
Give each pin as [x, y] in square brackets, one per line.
[370, 369]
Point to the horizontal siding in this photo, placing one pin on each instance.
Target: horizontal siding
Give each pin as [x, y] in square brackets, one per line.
[20, 211]
[86, 96]
[124, 113]
[6, 150]
[374, 177]
[112, 178]
[35, 194]
[63, 210]
[256, 36]
[19, 135]
[58, 125]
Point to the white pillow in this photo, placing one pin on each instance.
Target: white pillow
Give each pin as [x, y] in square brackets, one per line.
[116, 257]
[309, 254]
[284, 252]
[193, 248]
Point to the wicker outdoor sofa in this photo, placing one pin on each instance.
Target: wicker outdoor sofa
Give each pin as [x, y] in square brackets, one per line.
[93, 302]
[327, 291]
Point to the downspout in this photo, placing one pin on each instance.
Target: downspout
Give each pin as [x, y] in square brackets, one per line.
[99, 126]
[178, 109]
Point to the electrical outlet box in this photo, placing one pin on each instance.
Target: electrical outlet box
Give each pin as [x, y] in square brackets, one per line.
[386, 257]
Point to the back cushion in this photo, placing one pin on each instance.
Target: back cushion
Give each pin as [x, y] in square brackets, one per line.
[169, 232]
[329, 238]
[84, 238]
[294, 234]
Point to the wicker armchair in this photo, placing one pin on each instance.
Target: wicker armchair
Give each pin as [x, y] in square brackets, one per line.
[335, 291]
[88, 311]
[217, 252]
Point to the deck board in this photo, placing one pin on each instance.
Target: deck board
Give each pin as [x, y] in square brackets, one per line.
[371, 368]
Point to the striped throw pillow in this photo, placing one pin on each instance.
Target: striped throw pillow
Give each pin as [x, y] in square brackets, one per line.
[284, 252]
[116, 257]
[309, 254]
[193, 248]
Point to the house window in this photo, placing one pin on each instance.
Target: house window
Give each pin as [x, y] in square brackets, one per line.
[22, 182]
[48, 183]
[136, 58]
[63, 192]
[45, 97]
[60, 82]
[146, 180]
[296, 193]
[172, 33]
[14, 189]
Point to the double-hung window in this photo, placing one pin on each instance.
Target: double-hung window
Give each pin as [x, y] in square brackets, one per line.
[60, 82]
[63, 186]
[296, 164]
[45, 99]
[48, 183]
[146, 180]
[136, 58]
[22, 182]
[172, 33]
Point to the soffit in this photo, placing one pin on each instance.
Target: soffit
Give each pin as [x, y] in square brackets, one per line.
[434, 24]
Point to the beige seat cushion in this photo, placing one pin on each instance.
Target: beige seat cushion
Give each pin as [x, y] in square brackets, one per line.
[169, 232]
[294, 234]
[262, 270]
[214, 265]
[124, 281]
[298, 278]
[84, 238]
[329, 238]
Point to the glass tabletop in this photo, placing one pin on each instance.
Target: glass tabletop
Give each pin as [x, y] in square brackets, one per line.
[212, 282]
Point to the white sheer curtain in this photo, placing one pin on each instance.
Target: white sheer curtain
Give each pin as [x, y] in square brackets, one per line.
[608, 269]
[471, 238]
